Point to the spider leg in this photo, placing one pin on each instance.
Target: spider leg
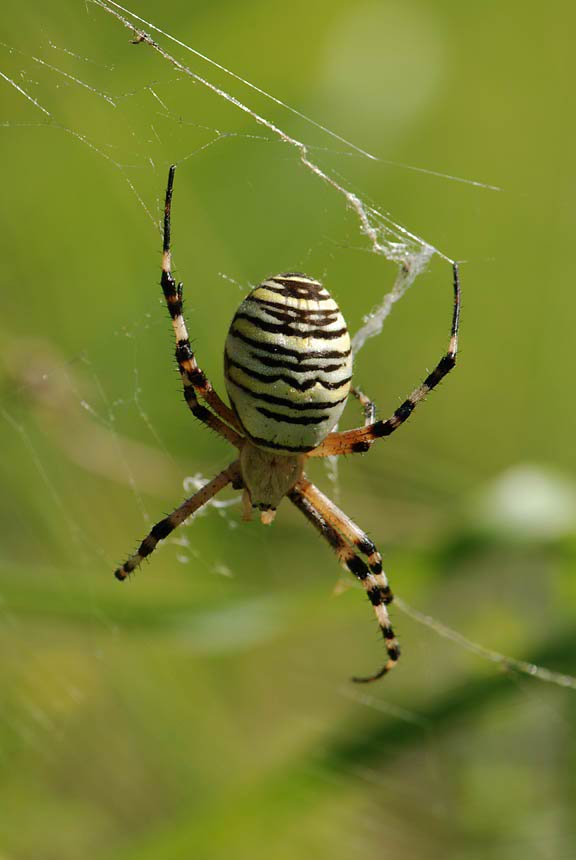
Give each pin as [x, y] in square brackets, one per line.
[350, 531]
[163, 528]
[378, 594]
[360, 440]
[194, 380]
[367, 405]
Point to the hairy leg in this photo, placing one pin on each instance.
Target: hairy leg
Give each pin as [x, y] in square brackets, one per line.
[349, 559]
[194, 380]
[163, 528]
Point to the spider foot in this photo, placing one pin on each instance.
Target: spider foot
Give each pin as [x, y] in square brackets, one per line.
[127, 569]
[388, 666]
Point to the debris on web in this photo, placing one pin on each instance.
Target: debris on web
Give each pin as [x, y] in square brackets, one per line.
[411, 264]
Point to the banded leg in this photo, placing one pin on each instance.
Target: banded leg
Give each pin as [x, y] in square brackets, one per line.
[163, 528]
[349, 559]
[350, 531]
[194, 380]
[360, 440]
[367, 405]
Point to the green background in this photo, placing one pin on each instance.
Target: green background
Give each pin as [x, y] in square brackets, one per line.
[203, 709]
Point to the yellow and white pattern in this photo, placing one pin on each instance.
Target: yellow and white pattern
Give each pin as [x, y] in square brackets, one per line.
[288, 363]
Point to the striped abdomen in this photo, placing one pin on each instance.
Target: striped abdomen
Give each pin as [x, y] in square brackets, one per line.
[288, 363]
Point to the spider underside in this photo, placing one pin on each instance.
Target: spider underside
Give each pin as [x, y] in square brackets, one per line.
[288, 366]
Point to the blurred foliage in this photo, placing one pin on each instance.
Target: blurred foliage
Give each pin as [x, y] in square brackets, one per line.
[203, 709]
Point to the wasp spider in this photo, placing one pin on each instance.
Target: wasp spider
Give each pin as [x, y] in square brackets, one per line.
[288, 370]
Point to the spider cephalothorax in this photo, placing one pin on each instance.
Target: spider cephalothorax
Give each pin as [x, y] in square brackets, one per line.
[288, 370]
[266, 478]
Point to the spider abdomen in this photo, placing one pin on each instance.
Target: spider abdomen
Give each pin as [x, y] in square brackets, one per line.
[288, 363]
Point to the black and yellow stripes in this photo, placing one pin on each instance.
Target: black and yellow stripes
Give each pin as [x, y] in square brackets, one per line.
[166, 526]
[193, 379]
[346, 539]
[288, 370]
[360, 440]
[288, 363]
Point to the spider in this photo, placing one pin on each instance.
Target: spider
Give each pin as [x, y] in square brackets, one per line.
[288, 373]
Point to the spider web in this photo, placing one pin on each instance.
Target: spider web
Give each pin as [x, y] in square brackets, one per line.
[66, 415]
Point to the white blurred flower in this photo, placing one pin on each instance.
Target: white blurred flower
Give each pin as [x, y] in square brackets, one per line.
[528, 501]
